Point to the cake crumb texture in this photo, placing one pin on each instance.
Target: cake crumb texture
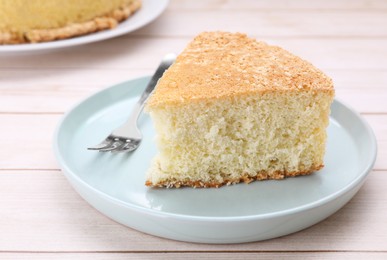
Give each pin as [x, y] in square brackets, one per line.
[232, 109]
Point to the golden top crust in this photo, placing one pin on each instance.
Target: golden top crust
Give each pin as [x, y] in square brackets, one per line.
[219, 65]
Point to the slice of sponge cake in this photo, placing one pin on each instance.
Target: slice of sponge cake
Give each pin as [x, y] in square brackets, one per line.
[233, 109]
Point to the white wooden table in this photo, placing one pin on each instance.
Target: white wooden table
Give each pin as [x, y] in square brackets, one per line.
[41, 216]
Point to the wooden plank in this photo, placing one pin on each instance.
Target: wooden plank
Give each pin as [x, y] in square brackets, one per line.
[39, 91]
[40, 212]
[26, 140]
[339, 54]
[370, 101]
[145, 53]
[198, 255]
[115, 54]
[271, 23]
[363, 80]
[179, 5]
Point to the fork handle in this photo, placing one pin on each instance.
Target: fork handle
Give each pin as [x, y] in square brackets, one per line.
[166, 62]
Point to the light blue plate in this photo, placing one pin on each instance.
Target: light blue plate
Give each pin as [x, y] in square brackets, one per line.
[114, 183]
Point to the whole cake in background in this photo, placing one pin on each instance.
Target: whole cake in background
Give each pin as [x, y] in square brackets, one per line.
[234, 109]
[23, 21]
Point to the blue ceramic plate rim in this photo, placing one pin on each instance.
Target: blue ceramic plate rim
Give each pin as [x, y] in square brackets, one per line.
[72, 176]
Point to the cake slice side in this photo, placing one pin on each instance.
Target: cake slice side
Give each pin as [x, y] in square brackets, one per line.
[271, 136]
[232, 109]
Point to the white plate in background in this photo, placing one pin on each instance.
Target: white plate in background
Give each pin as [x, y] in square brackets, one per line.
[148, 12]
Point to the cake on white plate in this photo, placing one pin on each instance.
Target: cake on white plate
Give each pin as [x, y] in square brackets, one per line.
[232, 109]
[23, 21]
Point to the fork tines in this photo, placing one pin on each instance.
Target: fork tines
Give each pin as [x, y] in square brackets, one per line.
[116, 144]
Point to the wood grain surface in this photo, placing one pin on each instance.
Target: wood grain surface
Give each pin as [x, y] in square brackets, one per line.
[42, 217]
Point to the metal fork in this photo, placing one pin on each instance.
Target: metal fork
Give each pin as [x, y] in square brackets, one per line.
[128, 137]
